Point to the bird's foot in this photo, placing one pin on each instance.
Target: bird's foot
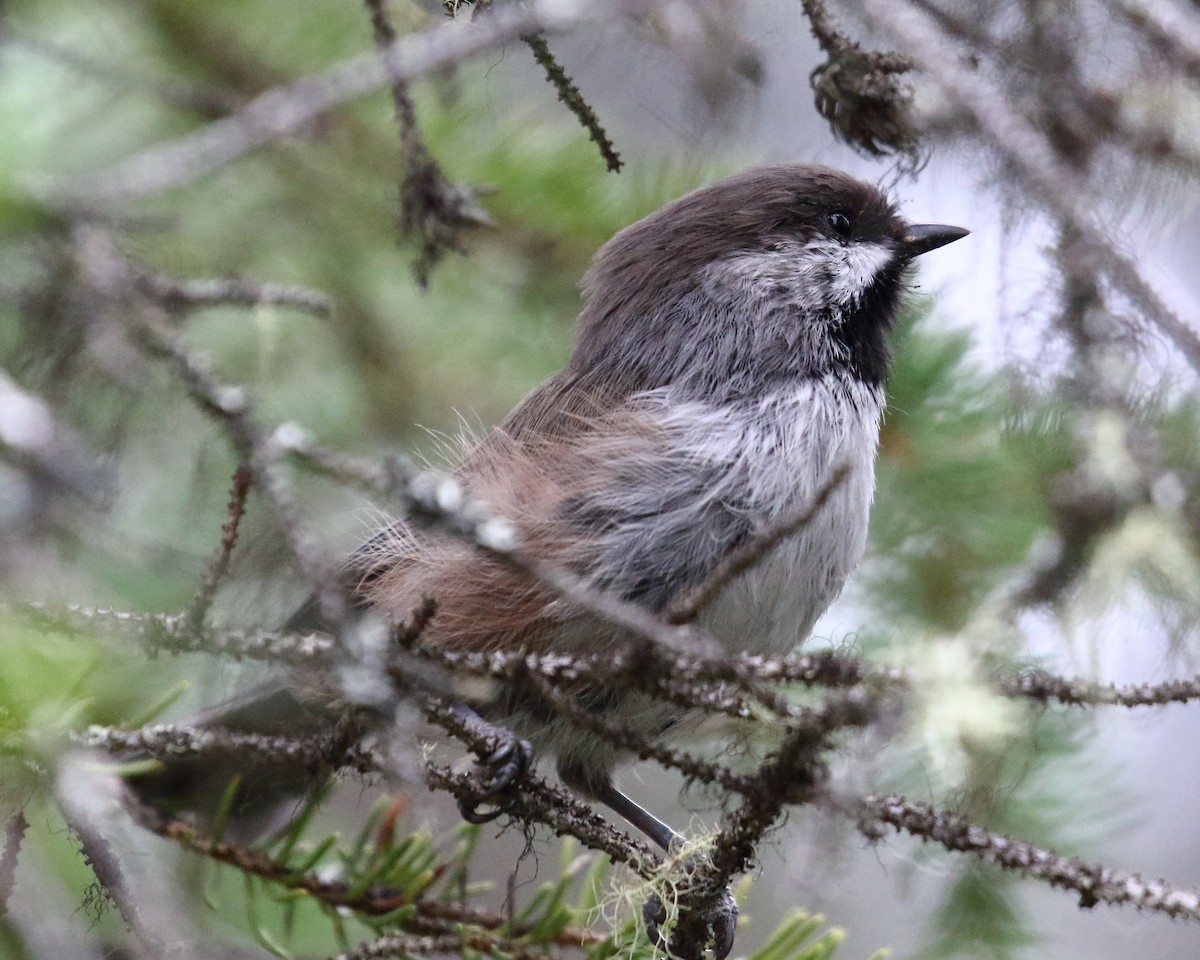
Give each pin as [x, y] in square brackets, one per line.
[508, 760]
[691, 936]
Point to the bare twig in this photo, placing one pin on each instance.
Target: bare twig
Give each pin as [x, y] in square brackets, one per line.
[535, 801]
[176, 633]
[569, 94]
[287, 109]
[646, 748]
[218, 567]
[165, 741]
[418, 946]
[405, 946]
[1094, 883]
[794, 773]
[176, 293]
[538, 802]
[789, 775]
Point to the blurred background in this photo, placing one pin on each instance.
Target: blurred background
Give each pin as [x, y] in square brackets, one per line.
[1038, 492]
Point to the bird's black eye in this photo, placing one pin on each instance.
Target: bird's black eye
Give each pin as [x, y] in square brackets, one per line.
[839, 223]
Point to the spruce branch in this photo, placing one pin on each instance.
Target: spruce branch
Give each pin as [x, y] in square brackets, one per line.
[429, 916]
[1094, 883]
[340, 750]
[1047, 688]
[574, 101]
[176, 633]
[538, 802]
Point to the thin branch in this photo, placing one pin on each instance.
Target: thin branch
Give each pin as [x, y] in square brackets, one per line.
[1093, 882]
[794, 773]
[570, 96]
[752, 552]
[408, 947]
[790, 775]
[1047, 688]
[431, 916]
[176, 633]
[176, 293]
[687, 680]
[218, 566]
[535, 801]
[286, 109]
[168, 741]
[633, 669]
[538, 802]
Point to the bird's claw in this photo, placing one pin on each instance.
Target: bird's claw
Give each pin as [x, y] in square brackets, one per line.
[720, 925]
[507, 763]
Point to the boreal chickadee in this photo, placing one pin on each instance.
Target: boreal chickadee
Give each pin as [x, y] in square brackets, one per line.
[731, 352]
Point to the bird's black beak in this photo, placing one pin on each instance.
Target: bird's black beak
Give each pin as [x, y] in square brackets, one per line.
[920, 238]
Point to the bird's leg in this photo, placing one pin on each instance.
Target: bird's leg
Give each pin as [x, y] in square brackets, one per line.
[720, 921]
[503, 765]
[637, 816]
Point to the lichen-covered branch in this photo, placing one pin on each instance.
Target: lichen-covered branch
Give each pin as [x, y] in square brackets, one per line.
[1093, 882]
[860, 92]
[338, 750]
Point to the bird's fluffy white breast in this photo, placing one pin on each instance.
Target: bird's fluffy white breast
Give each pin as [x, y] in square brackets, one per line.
[779, 455]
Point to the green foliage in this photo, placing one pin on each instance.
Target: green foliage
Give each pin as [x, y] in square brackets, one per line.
[939, 555]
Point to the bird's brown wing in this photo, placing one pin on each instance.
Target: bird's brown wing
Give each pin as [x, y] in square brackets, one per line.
[524, 470]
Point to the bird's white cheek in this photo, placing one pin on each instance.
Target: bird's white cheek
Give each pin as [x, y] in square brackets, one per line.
[856, 270]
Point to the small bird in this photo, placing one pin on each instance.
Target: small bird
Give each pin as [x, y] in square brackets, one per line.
[731, 353]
